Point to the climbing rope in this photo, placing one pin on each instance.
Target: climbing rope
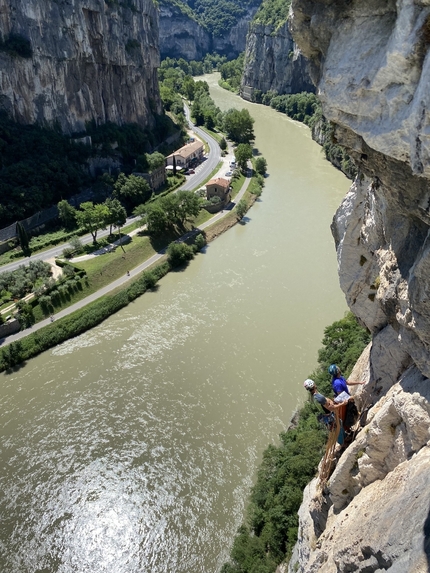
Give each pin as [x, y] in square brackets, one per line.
[329, 460]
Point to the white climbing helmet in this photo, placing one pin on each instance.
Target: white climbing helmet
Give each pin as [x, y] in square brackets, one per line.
[309, 384]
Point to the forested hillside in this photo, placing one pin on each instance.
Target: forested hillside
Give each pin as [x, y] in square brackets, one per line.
[216, 16]
[273, 13]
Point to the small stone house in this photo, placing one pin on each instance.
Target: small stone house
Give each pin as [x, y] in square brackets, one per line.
[192, 152]
[155, 178]
[219, 187]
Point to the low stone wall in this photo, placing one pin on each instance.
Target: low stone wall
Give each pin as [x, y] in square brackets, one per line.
[9, 327]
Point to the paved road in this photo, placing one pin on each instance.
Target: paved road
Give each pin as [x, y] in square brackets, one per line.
[204, 169]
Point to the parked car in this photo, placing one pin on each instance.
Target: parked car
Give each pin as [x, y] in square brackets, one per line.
[191, 171]
[229, 174]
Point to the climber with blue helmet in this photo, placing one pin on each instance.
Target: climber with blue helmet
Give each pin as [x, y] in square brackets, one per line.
[338, 382]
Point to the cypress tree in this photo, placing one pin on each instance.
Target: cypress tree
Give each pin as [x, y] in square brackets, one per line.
[23, 239]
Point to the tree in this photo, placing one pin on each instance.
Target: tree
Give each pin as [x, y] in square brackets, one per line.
[92, 217]
[23, 239]
[156, 219]
[131, 190]
[243, 153]
[238, 125]
[223, 144]
[188, 206]
[67, 214]
[25, 314]
[104, 184]
[197, 113]
[261, 165]
[241, 209]
[116, 214]
[188, 88]
[179, 253]
[75, 244]
[155, 160]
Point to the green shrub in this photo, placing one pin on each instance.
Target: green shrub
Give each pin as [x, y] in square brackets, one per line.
[179, 254]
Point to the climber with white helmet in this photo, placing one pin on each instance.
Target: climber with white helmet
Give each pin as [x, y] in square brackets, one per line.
[326, 404]
[332, 412]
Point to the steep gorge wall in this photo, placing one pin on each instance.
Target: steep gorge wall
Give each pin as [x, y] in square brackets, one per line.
[273, 62]
[371, 64]
[91, 60]
[183, 37]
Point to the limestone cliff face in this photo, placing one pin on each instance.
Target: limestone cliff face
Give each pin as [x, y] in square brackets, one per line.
[183, 37]
[234, 41]
[273, 62]
[91, 60]
[371, 64]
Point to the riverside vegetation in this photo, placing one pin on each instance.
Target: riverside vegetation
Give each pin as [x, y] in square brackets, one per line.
[270, 531]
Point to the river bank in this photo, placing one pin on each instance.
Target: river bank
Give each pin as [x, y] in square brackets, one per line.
[28, 344]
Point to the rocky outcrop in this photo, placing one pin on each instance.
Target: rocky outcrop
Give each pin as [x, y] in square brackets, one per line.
[181, 36]
[233, 42]
[273, 62]
[91, 60]
[371, 64]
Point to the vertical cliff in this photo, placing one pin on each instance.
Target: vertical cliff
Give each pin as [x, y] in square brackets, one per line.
[89, 60]
[273, 62]
[370, 61]
[184, 34]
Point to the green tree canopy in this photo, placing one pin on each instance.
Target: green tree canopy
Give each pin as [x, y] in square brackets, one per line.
[131, 190]
[241, 208]
[67, 214]
[23, 239]
[116, 215]
[92, 217]
[155, 217]
[179, 253]
[155, 160]
[243, 153]
[238, 125]
[261, 165]
[170, 212]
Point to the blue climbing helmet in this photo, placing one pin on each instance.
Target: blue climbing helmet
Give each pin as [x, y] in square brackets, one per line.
[332, 369]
